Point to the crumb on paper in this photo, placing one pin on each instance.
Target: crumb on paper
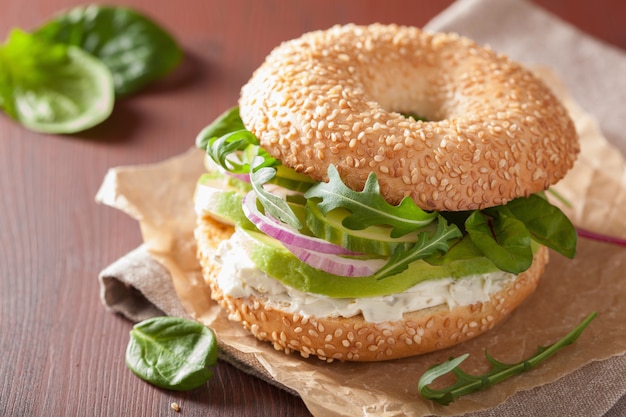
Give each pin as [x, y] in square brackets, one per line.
[175, 407]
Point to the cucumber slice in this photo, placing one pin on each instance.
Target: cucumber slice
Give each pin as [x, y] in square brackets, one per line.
[373, 240]
[221, 196]
[291, 180]
[271, 257]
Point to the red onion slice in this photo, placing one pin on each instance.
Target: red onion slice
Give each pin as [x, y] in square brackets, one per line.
[241, 177]
[287, 235]
[336, 265]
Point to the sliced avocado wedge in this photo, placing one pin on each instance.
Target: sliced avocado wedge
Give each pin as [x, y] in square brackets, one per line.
[271, 257]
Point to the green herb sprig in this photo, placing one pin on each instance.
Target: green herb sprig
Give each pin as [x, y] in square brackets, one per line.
[274, 205]
[427, 245]
[368, 207]
[467, 384]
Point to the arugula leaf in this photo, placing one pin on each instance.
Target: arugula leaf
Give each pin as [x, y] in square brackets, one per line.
[501, 238]
[235, 151]
[135, 49]
[368, 207]
[546, 223]
[172, 352]
[467, 383]
[53, 88]
[274, 205]
[424, 247]
[239, 152]
[231, 145]
[225, 123]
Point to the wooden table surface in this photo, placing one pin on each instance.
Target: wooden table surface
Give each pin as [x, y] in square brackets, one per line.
[62, 352]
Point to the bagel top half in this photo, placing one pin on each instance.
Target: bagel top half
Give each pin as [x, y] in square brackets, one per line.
[492, 132]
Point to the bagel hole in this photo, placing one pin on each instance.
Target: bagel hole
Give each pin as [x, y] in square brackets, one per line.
[413, 115]
[409, 90]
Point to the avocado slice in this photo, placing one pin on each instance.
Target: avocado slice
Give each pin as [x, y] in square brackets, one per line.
[271, 257]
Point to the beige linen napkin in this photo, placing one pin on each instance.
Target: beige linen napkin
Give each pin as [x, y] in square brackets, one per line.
[138, 286]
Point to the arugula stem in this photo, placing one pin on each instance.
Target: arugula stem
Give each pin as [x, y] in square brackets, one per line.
[467, 383]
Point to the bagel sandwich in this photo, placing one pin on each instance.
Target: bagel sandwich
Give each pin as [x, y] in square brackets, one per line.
[380, 192]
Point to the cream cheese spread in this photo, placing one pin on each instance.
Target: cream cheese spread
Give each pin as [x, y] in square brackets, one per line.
[239, 277]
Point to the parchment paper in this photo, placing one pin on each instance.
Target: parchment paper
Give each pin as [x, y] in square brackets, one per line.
[159, 197]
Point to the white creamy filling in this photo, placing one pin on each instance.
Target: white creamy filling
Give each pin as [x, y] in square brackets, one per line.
[239, 277]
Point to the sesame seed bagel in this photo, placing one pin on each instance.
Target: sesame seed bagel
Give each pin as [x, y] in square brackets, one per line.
[353, 338]
[494, 131]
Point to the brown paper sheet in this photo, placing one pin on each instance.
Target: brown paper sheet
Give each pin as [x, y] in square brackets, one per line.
[159, 196]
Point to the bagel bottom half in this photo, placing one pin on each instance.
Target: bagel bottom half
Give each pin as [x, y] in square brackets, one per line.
[354, 339]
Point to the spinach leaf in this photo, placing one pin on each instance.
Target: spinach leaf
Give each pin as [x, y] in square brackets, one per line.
[53, 88]
[226, 123]
[134, 48]
[502, 238]
[504, 233]
[172, 353]
[546, 223]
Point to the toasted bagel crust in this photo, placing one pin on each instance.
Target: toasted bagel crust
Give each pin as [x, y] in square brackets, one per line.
[495, 131]
[354, 339]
